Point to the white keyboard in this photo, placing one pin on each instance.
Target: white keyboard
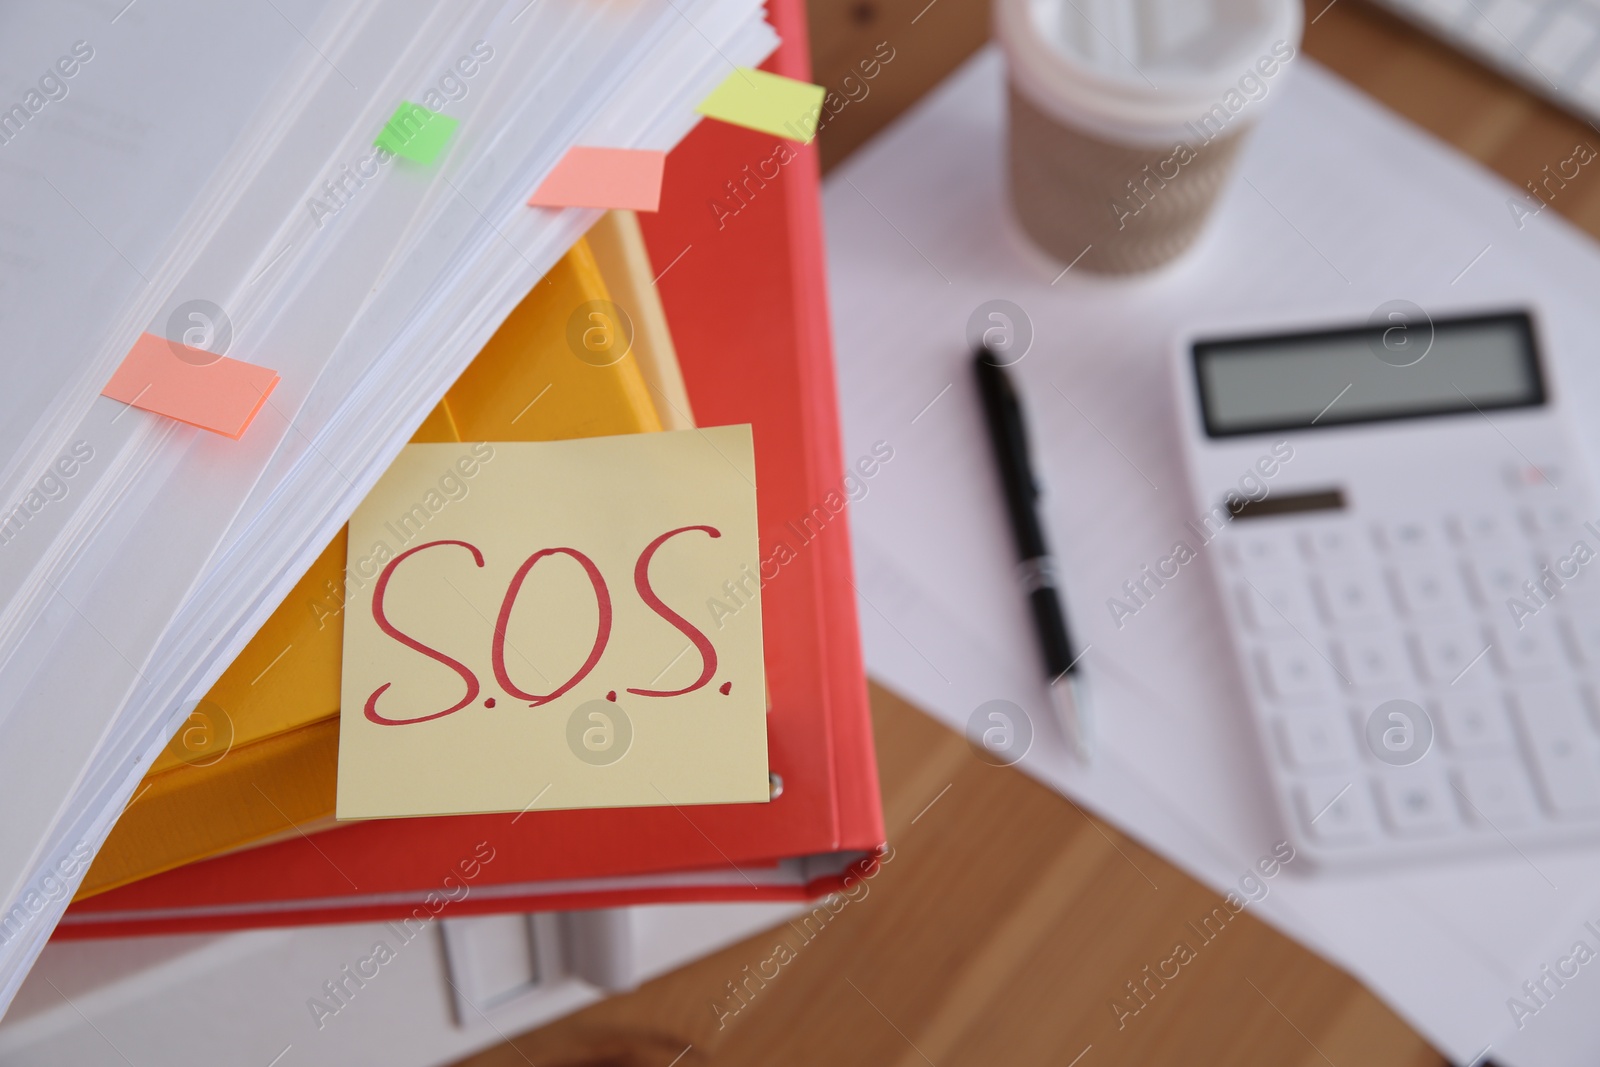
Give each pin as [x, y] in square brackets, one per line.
[1550, 46]
[1402, 709]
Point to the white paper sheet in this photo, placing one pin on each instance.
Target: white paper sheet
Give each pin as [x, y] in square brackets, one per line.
[1339, 207]
[160, 563]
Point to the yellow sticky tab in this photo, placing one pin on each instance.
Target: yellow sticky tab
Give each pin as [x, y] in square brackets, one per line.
[770, 103]
[559, 624]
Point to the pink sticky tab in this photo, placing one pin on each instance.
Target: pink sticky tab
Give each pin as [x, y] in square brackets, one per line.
[212, 392]
[604, 177]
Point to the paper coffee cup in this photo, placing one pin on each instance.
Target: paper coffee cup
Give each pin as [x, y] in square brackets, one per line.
[1125, 117]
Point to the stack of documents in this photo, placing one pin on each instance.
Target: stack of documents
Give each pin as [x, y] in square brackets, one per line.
[588, 814]
[288, 230]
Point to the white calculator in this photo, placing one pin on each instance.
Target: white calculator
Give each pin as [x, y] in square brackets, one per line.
[1406, 547]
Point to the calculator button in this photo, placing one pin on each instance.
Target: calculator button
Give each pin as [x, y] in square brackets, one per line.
[1293, 670]
[1351, 596]
[1410, 537]
[1496, 579]
[1428, 588]
[1375, 660]
[1447, 652]
[1561, 747]
[1581, 594]
[1530, 651]
[1316, 740]
[1474, 721]
[1558, 571]
[1553, 519]
[1259, 551]
[1483, 531]
[1418, 802]
[1273, 603]
[1495, 792]
[1583, 633]
[1534, 476]
[1337, 810]
[1335, 544]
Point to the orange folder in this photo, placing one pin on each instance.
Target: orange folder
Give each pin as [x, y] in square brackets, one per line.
[256, 761]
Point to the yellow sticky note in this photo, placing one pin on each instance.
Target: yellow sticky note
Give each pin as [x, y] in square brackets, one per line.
[770, 103]
[555, 624]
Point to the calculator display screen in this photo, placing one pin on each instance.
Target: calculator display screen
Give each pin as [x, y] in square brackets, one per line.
[1367, 374]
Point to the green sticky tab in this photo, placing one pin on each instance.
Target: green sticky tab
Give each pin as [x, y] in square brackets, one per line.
[770, 103]
[416, 133]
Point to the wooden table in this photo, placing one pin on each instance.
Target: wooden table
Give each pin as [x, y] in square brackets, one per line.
[1010, 922]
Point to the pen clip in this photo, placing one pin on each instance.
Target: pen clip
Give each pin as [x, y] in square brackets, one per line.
[1016, 422]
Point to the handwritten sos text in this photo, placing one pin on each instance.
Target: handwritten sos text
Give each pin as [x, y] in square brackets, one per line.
[497, 652]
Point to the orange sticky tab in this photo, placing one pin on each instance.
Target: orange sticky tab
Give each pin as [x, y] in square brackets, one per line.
[188, 384]
[627, 178]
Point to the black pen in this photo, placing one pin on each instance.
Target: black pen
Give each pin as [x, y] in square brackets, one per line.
[1035, 567]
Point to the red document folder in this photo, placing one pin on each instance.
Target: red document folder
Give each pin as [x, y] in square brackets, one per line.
[745, 294]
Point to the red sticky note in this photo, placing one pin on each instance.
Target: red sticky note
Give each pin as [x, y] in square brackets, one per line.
[212, 392]
[604, 177]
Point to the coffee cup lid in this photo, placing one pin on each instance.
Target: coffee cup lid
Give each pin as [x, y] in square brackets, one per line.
[1145, 71]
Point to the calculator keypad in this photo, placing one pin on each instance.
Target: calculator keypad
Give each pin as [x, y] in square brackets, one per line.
[1337, 617]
